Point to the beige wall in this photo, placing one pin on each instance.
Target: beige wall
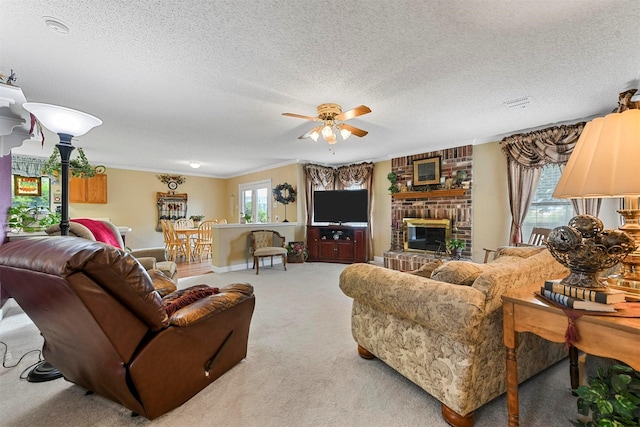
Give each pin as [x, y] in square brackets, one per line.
[491, 215]
[132, 202]
[232, 252]
[292, 174]
[381, 212]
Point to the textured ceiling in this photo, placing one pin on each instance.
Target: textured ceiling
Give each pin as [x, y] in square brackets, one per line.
[176, 81]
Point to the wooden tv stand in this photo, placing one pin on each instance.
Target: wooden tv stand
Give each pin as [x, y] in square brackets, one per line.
[337, 243]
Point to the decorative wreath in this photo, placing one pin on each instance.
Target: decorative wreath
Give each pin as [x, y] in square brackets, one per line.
[289, 191]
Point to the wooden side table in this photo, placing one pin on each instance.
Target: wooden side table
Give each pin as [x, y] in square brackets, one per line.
[606, 336]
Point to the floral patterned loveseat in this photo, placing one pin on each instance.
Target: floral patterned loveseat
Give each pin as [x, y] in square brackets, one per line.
[444, 331]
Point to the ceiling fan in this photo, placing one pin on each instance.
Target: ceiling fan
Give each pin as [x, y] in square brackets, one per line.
[332, 118]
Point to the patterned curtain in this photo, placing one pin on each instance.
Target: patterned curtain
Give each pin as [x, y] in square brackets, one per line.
[522, 184]
[27, 166]
[327, 178]
[526, 154]
[362, 175]
[317, 178]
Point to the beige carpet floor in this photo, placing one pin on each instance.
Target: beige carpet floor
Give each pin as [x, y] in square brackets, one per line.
[302, 369]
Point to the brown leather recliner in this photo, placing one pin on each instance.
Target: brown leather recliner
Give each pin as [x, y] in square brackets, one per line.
[106, 329]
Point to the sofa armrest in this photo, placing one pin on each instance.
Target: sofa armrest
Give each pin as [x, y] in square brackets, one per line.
[451, 310]
[199, 310]
[157, 253]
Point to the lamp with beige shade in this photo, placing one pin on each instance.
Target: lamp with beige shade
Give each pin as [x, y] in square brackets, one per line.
[605, 163]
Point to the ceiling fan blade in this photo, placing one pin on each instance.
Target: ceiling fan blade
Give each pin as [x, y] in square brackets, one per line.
[354, 131]
[355, 112]
[308, 134]
[299, 116]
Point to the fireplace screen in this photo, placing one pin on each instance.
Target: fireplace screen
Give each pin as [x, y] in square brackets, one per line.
[422, 235]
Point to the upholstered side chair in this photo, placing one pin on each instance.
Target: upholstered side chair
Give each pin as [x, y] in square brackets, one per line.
[267, 243]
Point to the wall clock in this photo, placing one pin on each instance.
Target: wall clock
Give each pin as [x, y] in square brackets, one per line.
[172, 185]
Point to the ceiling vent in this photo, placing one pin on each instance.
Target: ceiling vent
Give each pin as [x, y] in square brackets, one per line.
[517, 103]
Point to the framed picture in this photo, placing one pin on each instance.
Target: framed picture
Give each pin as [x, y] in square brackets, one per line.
[27, 186]
[427, 171]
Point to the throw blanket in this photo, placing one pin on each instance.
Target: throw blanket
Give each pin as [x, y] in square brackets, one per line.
[100, 231]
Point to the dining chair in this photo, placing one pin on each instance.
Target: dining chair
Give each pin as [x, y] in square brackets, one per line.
[183, 223]
[204, 240]
[222, 221]
[174, 244]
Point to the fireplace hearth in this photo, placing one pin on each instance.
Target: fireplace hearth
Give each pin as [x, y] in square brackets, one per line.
[425, 234]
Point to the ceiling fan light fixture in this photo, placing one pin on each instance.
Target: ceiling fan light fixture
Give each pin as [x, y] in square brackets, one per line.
[331, 118]
[327, 132]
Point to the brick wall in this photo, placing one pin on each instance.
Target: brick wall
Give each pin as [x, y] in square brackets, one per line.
[459, 209]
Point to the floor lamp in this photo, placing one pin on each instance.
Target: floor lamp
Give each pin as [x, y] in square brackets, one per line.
[67, 123]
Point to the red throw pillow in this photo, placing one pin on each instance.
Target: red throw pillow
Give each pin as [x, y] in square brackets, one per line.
[171, 305]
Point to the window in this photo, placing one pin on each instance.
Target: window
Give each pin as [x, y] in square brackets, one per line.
[42, 201]
[545, 211]
[254, 201]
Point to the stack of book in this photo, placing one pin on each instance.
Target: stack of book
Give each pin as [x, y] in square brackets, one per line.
[592, 299]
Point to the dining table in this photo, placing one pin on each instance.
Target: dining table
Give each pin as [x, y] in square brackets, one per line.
[188, 233]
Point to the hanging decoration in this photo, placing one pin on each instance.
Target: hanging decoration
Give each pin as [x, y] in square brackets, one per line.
[79, 167]
[166, 178]
[285, 194]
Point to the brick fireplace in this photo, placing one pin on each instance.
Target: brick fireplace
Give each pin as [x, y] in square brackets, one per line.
[454, 206]
[425, 234]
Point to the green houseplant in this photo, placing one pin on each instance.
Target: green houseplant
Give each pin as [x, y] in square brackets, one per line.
[196, 219]
[455, 247]
[79, 167]
[393, 179]
[29, 219]
[612, 398]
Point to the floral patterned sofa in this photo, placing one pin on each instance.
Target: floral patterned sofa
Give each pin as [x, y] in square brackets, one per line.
[441, 326]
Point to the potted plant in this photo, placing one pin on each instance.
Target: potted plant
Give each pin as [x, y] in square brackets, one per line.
[79, 167]
[393, 179]
[455, 247]
[612, 398]
[196, 219]
[245, 218]
[296, 252]
[29, 219]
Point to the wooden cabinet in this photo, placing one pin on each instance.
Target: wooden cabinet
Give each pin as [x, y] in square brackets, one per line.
[88, 190]
[337, 244]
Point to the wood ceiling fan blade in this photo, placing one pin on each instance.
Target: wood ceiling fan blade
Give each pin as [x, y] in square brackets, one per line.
[299, 116]
[308, 134]
[354, 131]
[354, 112]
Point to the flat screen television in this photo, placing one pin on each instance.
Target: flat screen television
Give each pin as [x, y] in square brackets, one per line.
[341, 206]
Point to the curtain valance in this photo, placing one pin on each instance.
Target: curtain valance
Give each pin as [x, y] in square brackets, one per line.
[538, 148]
[27, 166]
